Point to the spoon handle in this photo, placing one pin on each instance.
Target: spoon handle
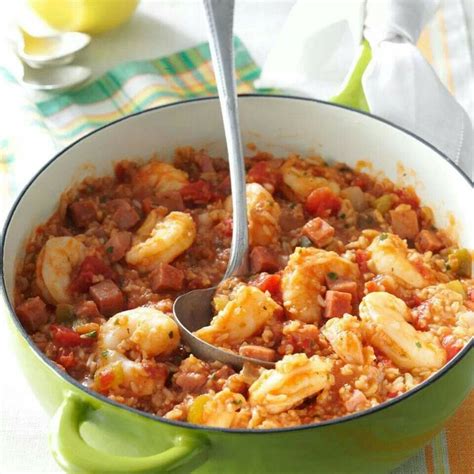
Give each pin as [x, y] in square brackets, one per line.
[220, 15]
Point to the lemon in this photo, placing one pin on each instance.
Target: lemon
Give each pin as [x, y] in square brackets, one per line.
[88, 16]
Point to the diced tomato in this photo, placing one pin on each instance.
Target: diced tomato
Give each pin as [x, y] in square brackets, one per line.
[322, 202]
[362, 180]
[123, 173]
[412, 301]
[362, 258]
[270, 283]
[372, 286]
[408, 196]
[90, 267]
[392, 394]
[67, 337]
[66, 359]
[449, 344]
[148, 205]
[228, 227]
[198, 192]
[262, 173]
[106, 379]
[224, 187]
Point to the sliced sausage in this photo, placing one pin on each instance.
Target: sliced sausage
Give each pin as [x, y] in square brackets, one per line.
[319, 232]
[258, 352]
[86, 310]
[428, 241]
[108, 297]
[167, 277]
[344, 286]
[118, 244]
[404, 222]
[123, 213]
[204, 162]
[172, 200]
[263, 259]
[292, 217]
[337, 304]
[83, 212]
[33, 313]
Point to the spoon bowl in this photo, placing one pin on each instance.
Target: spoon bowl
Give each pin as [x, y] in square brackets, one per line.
[194, 310]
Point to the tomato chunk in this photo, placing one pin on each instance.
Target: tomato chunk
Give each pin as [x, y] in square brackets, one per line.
[67, 337]
[262, 173]
[322, 202]
[198, 192]
[270, 283]
[90, 267]
[362, 258]
[450, 346]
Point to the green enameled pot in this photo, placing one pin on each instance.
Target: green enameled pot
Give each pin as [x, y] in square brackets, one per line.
[91, 434]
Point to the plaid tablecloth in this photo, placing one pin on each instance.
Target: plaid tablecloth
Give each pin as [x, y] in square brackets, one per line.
[36, 129]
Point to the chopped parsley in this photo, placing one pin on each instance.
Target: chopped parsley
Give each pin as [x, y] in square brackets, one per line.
[383, 236]
[418, 345]
[333, 276]
[105, 354]
[342, 216]
[90, 334]
[305, 242]
[109, 249]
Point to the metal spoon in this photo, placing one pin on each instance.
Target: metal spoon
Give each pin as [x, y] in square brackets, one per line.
[193, 310]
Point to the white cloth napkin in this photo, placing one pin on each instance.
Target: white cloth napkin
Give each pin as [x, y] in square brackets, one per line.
[320, 41]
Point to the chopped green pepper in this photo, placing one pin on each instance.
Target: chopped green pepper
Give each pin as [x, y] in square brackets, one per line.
[305, 242]
[464, 262]
[64, 313]
[333, 276]
[456, 286]
[384, 203]
[196, 409]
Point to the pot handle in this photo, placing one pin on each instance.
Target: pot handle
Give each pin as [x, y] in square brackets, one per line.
[74, 455]
[352, 95]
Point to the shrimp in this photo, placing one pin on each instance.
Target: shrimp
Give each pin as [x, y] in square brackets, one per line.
[263, 214]
[144, 331]
[57, 259]
[345, 337]
[384, 323]
[389, 256]
[297, 176]
[162, 177]
[293, 379]
[169, 238]
[222, 409]
[303, 277]
[242, 317]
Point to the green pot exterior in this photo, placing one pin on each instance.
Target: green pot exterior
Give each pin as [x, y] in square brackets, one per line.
[376, 442]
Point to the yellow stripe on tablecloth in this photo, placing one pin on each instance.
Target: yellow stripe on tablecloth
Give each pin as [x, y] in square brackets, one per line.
[444, 41]
[424, 45]
[460, 437]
